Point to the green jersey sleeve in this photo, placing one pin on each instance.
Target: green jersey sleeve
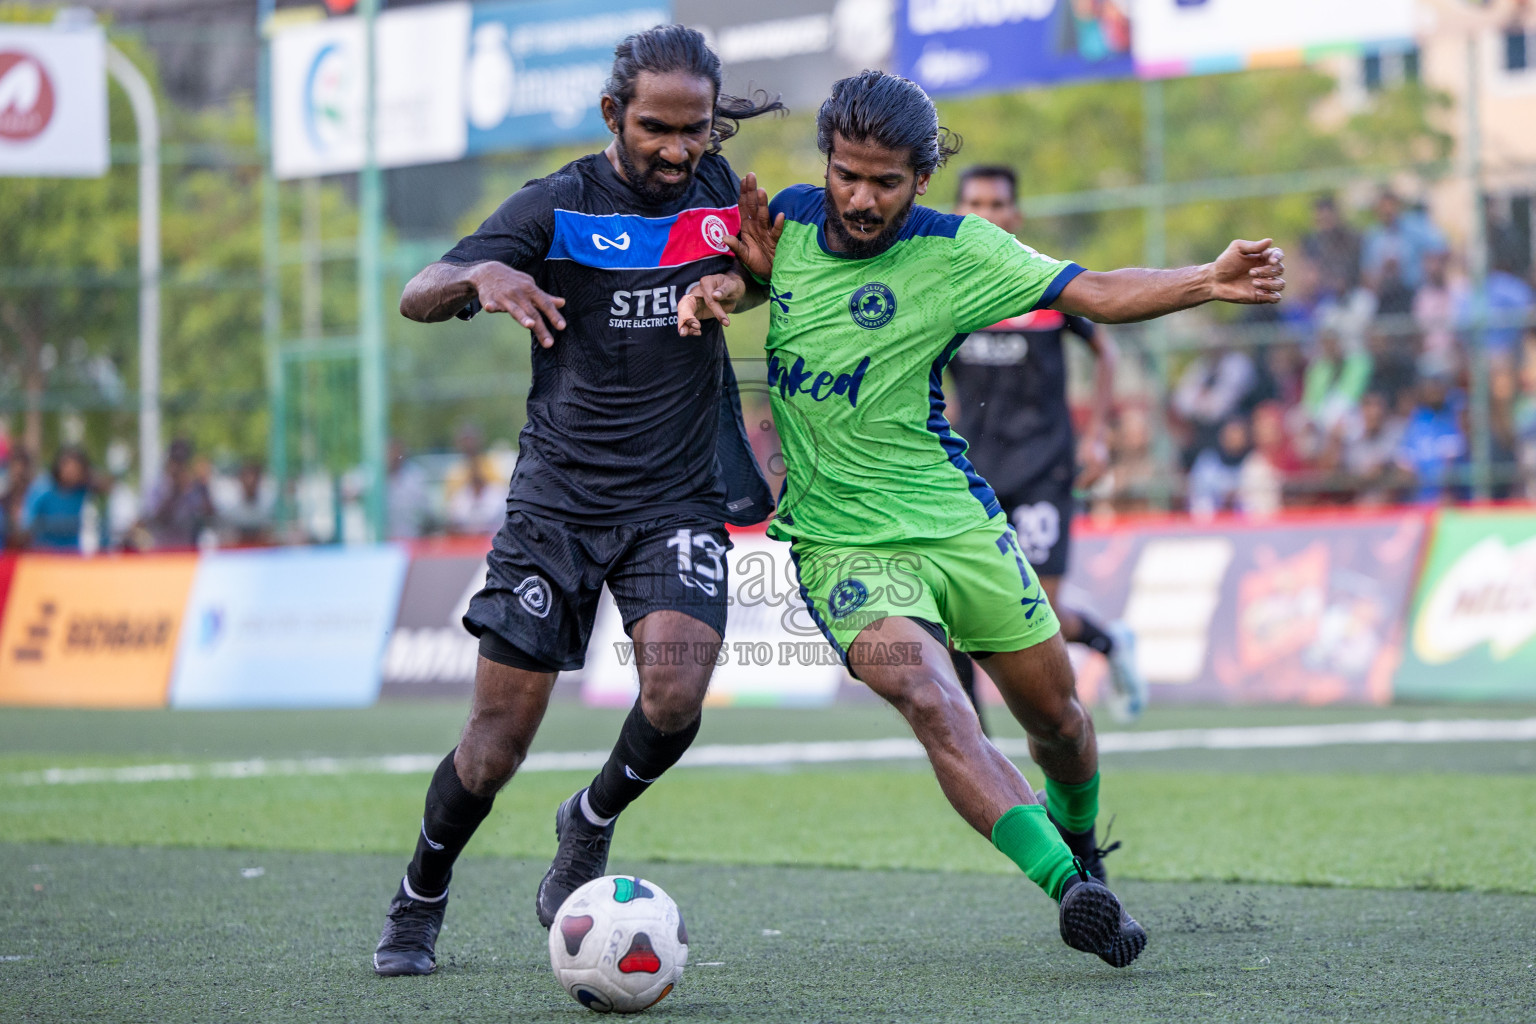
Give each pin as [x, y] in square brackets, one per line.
[995, 276]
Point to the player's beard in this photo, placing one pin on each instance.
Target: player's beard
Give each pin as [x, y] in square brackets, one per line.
[858, 247]
[651, 188]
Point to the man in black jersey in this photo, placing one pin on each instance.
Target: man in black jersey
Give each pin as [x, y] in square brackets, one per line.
[633, 456]
[1010, 382]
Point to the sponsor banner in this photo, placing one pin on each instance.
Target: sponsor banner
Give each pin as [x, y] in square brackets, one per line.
[92, 632]
[318, 100]
[773, 653]
[1305, 610]
[536, 69]
[1191, 37]
[53, 101]
[969, 45]
[295, 627]
[1472, 634]
[795, 48]
[430, 653]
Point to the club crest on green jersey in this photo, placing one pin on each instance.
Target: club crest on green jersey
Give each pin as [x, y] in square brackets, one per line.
[872, 306]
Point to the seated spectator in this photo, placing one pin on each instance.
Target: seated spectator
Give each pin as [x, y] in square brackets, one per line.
[1508, 301]
[406, 495]
[1214, 387]
[247, 511]
[1404, 237]
[1217, 472]
[180, 506]
[478, 506]
[56, 516]
[19, 473]
[1434, 307]
[1434, 450]
[1334, 381]
[1273, 462]
[1285, 367]
[1525, 419]
[1395, 369]
[1133, 468]
[1333, 249]
[1394, 295]
[1369, 442]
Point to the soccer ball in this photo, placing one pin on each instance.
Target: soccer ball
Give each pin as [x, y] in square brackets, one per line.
[618, 944]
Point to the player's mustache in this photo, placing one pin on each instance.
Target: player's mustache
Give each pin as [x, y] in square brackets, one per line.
[657, 165]
[873, 220]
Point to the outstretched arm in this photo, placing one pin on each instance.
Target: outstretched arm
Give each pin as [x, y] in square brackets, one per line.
[442, 289]
[1248, 272]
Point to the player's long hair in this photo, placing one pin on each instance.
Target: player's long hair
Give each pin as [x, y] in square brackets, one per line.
[668, 48]
[891, 111]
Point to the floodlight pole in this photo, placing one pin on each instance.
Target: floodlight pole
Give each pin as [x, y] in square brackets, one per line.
[372, 399]
[147, 119]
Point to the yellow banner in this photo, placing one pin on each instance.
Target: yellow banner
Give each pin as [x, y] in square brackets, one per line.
[93, 632]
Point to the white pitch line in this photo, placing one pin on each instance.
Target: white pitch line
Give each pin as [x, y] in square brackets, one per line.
[773, 755]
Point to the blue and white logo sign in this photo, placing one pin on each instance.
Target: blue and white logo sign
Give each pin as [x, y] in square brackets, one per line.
[536, 70]
[872, 306]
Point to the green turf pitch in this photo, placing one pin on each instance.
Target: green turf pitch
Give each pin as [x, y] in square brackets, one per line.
[1418, 903]
[176, 935]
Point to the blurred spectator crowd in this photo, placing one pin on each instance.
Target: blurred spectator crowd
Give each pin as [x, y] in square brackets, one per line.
[1357, 390]
[73, 505]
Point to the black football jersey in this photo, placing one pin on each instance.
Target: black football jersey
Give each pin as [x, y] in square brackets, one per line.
[1011, 383]
[626, 420]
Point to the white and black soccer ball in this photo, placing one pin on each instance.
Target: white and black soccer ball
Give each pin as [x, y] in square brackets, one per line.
[618, 944]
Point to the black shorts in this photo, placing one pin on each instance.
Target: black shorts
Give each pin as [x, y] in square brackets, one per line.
[544, 577]
[1041, 514]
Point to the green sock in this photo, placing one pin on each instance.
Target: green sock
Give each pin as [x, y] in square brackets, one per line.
[1074, 804]
[1026, 836]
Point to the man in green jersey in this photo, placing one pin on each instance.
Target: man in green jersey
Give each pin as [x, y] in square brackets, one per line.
[901, 547]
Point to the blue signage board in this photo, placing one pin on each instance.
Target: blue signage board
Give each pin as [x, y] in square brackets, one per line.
[536, 70]
[951, 46]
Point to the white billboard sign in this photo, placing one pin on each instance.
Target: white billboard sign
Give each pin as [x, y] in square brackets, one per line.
[53, 102]
[1178, 37]
[317, 91]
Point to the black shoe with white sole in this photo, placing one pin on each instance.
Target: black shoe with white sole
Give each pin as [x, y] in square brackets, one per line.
[409, 942]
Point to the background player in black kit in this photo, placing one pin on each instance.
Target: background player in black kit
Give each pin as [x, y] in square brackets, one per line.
[1011, 385]
[633, 454]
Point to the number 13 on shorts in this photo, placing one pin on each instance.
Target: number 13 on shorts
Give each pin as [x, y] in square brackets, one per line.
[707, 571]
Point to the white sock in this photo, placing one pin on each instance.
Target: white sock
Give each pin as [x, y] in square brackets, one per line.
[413, 894]
[591, 815]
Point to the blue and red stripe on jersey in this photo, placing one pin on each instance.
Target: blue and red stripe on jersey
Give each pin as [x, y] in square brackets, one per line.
[618, 241]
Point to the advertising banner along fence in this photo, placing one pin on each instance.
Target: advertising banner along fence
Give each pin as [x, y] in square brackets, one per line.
[97, 632]
[965, 46]
[1192, 37]
[1306, 611]
[430, 653]
[53, 101]
[1472, 635]
[287, 627]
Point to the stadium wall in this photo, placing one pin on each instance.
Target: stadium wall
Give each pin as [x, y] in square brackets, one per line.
[1310, 608]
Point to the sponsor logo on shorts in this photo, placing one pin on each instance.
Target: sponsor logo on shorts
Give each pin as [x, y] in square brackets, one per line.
[872, 306]
[533, 595]
[847, 597]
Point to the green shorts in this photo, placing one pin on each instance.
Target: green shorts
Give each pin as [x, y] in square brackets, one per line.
[976, 585]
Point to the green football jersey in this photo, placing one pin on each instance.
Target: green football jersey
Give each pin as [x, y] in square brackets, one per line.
[856, 355]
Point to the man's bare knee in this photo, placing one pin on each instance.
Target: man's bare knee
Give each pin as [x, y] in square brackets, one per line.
[1060, 725]
[672, 701]
[935, 714]
[490, 752]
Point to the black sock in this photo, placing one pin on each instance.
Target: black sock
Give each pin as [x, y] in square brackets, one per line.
[1091, 634]
[452, 814]
[965, 671]
[640, 756]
